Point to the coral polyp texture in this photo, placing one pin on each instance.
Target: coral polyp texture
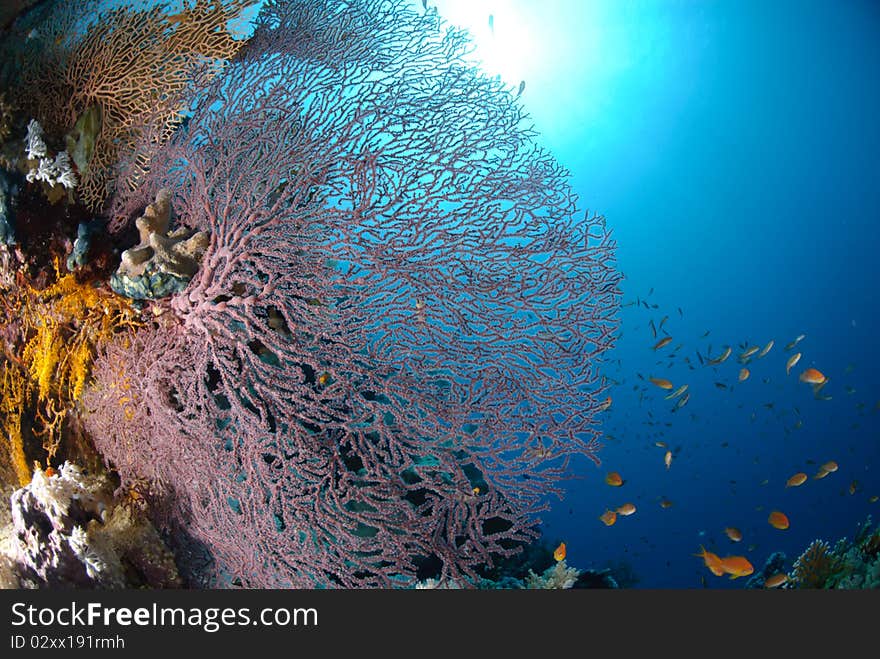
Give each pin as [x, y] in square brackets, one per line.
[382, 354]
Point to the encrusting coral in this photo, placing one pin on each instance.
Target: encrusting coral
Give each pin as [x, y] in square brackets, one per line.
[162, 263]
[67, 530]
[559, 576]
[848, 565]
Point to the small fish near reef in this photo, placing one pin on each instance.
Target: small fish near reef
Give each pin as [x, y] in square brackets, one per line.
[559, 552]
[678, 392]
[626, 509]
[797, 480]
[733, 533]
[663, 383]
[737, 566]
[666, 340]
[813, 376]
[792, 361]
[776, 580]
[614, 479]
[667, 459]
[722, 358]
[778, 520]
[712, 561]
[608, 517]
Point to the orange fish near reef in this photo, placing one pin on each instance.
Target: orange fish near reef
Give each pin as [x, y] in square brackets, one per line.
[737, 566]
[743, 374]
[712, 561]
[559, 554]
[798, 479]
[665, 503]
[605, 405]
[626, 509]
[776, 580]
[733, 533]
[608, 517]
[813, 376]
[50, 471]
[778, 520]
[613, 479]
[663, 383]
[830, 466]
[667, 459]
[666, 340]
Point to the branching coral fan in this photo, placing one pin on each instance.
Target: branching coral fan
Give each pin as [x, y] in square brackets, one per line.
[396, 307]
[125, 71]
[389, 351]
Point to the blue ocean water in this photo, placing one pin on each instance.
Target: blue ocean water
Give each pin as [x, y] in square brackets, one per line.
[734, 148]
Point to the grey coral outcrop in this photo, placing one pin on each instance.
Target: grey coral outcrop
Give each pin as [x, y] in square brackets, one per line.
[162, 263]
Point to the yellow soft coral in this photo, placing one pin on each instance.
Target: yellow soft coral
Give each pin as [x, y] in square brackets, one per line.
[63, 323]
[11, 409]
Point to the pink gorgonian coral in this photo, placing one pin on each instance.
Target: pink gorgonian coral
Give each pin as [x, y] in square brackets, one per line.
[391, 348]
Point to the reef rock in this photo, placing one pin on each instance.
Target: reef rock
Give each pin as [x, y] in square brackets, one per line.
[67, 531]
[161, 263]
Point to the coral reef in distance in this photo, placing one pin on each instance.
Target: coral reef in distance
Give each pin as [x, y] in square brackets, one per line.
[357, 340]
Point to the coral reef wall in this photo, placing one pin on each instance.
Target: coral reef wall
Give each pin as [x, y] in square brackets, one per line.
[383, 352]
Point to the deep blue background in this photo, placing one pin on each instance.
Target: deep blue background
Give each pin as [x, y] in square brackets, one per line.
[734, 147]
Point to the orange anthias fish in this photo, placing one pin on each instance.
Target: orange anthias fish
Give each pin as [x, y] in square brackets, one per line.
[666, 340]
[605, 405]
[559, 553]
[663, 383]
[778, 520]
[712, 561]
[665, 503]
[790, 364]
[798, 479]
[613, 479]
[830, 466]
[667, 459]
[626, 509]
[776, 580]
[743, 374]
[737, 566]
[733, 533]
[608, 517]
[813, 376]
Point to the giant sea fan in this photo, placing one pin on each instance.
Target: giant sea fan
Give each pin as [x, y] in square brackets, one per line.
[390, 350]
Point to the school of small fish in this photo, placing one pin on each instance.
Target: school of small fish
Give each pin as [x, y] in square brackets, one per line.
[680, 393]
